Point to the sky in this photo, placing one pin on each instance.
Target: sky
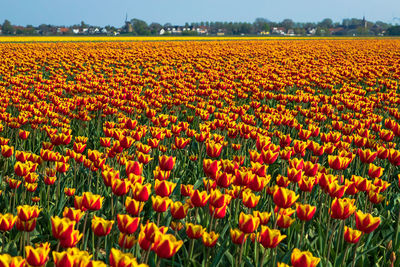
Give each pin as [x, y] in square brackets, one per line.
[177, 12]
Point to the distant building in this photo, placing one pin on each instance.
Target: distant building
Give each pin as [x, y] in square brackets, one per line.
[62, 30]
[278, 30]
[128, 26]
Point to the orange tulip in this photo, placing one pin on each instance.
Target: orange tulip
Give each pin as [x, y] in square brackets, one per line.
[351, 235]
[7, 222]
[100, 226]
[248, 223]
[194, 231]
[37, 256]
[166, 163]
[342, 208]
[91, 201]
[210, 239]
[127, 224]
[303, 259]
[166, 245]
[270, 238]
[199, 199]
[366, 223]
[284, 198]
[160, 204]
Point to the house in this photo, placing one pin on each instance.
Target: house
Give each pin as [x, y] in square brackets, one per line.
[202, 30]
[311, 31]
[1, 30]
[290, 32]
[336, 31]
[278, 30]
[75, 30]
[62, 30]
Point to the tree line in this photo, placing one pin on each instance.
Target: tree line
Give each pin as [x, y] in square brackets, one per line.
[351, 26]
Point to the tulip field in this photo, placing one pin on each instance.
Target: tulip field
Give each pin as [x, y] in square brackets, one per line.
[200, 153]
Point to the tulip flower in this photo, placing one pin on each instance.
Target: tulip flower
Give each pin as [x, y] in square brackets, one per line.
[78, 203]
[64, 259]
[249, 199]
[100, 226]
[284, 220]
[141, 192]
[211, 167]
[270, 238]
[161, 175]
[213, 149]
[210, 239]
[303, 259]
[351, 235]
[23, 134]
[338, 162]
[166, 245]
[248, 223]
[26, 212]
[367, 156]
[71, 240]
[160, 204]
[133, 207]
[164, 188]
[178, 210]
[120, 259]
[263, 216]
[194, 231]
[199, 199]
[166, 163]
[133, 167]
[120, 187]
[37, 256]
[305, 212]
[91, 201]
[127, 224]
[342, 208]
[26, 226]
[284, 198]
[237, 236]
[73, 214]
[7, 151]
[6, 260]
[365, 222]
[7, 222]
[61, 227]
[126, 241]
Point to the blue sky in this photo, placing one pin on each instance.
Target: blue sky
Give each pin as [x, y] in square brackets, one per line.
[102, 12]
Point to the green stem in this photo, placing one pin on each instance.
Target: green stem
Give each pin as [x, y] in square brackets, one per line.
[355, 252]
[83, 232]
[241, 253]
[263, 257]
[302, 233]
[345, 255]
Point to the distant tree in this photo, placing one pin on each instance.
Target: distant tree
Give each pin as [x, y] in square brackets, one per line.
[326, 23]
[394, 31]
[189, 33]
[287, 24]
[7, 28]
[155, 28]
[84, 25]
[29, 30]
[261, 24]
[140, 27]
